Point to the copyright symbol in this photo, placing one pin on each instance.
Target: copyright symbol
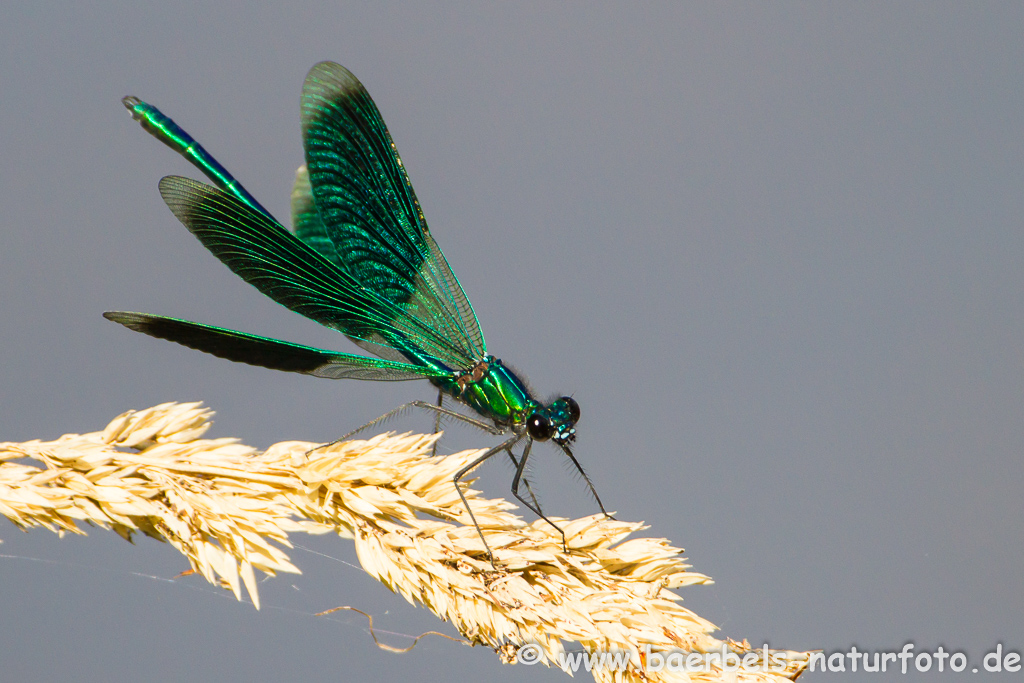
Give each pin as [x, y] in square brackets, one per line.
[528, 654]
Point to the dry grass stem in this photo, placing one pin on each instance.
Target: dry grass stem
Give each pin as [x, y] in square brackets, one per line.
[230, 510]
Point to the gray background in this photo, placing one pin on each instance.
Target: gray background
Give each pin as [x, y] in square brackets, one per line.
[774, 250]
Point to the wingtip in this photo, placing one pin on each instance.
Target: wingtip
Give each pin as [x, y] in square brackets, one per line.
[333, 74]
[173, 187]
[121, 317]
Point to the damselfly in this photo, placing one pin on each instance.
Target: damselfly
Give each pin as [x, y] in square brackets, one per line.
[359, 259]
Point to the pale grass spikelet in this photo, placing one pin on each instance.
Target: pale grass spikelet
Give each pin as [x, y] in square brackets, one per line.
[230, 509]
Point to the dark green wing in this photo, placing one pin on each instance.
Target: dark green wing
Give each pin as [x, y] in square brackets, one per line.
[306, 223]
[367, 219]
[267, 353]
[260, 251]
[307, 226]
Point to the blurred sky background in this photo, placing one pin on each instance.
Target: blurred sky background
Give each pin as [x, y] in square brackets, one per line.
[773, 249]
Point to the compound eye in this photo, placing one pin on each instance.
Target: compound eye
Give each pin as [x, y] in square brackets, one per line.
[539, 427]
[574, 408]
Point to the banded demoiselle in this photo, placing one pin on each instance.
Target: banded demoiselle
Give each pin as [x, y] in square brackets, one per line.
[359, 259]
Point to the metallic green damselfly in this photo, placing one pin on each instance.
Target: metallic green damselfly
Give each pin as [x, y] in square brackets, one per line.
[359, 259]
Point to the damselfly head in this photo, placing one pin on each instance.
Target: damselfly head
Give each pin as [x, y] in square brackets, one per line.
[556, 421]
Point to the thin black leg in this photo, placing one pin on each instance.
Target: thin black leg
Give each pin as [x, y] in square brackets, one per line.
[509, 443]
[437, 420]
[515, 463]
[593, 491]
[479, 424]
[515, 492]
